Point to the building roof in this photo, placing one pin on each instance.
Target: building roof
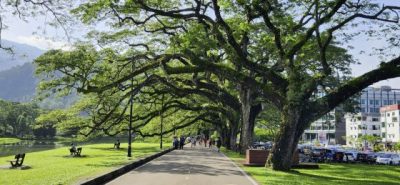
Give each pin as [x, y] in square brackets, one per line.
[390, 108]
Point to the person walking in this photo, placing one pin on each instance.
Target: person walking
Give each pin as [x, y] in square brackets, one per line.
[210, 143]
[193, 142]
[219, 143]
[182, 142]
[175, 142]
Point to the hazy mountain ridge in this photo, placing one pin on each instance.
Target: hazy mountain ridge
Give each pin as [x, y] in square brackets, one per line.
[23, 53]
[18, 82]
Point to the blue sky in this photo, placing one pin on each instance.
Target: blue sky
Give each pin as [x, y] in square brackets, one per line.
[22, 32]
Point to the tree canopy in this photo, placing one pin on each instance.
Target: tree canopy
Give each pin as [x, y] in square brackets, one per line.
[219, 61]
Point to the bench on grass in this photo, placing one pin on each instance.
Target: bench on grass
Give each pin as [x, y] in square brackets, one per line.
[76, 152]
[18, 160]
[117, 145]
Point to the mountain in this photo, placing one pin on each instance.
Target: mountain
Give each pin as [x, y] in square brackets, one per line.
[17, 80]
[18, 83]
[23, 53]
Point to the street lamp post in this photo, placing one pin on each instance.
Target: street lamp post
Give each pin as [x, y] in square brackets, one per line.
[161, 120]
[123, 88]
[130, 126]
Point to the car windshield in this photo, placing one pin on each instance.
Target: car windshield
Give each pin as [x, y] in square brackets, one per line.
[386, 155]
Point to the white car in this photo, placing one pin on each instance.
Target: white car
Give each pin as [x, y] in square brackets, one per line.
[388, 159]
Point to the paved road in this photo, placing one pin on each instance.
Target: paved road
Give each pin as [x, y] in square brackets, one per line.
[191, 166]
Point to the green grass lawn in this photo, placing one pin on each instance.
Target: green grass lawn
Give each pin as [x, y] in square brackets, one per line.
[8, 140]
[58, 167]
[335, 174]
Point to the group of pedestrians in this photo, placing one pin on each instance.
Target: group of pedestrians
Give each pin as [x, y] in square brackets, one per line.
[179, 143]
[203, 140]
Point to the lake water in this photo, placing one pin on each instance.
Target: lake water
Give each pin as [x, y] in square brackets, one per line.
[26, 146]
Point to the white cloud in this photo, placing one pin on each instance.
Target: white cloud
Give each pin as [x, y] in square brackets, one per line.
[43, 43]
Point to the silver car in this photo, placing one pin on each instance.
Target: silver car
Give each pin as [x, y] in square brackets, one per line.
[388, 159]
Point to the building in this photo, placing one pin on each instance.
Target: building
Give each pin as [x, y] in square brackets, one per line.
[373, 98]
[328, 130]
[368, 120]
[390, 128]
[337, 127]
[361, 124]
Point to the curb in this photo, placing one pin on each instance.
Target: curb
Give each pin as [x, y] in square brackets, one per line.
[251, 179]
[124, 169]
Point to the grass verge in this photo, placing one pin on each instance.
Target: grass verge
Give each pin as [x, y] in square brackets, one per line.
[58, 167]
[328, 174]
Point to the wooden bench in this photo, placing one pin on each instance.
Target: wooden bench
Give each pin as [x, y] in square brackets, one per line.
[117, 145]
[19, 160]
[76, 152]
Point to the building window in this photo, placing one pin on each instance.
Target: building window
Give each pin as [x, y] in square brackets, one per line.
[385, 102]
[359, 127]
[371, 102]
[383, 135]
[375, 119]
[383, 124]
[388, 114]
[390, 102]
[394, 119]
[376, 102]
[362, 101]
[374, 127]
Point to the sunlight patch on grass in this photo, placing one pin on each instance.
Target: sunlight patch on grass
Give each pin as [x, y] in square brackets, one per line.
[58, 167]
[328, 174]
[8, 140]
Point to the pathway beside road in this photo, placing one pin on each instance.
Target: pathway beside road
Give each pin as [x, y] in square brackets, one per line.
[190, 166]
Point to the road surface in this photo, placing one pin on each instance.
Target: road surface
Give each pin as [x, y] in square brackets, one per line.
[190, 166]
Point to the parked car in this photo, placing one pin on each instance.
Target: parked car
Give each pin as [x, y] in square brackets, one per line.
[378, 154]
[318, 154]
[262, 145]
[366, 157]
[350, 156]
[388, 159]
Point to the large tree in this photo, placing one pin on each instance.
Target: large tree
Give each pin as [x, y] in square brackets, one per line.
[280, 52]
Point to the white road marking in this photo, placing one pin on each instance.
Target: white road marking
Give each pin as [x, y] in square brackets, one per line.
[241, 170]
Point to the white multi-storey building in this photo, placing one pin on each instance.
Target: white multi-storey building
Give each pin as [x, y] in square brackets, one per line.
[361, 124]
[368, 121]
[335, 128]
[327, 130]
[323, 130]
[390, 125]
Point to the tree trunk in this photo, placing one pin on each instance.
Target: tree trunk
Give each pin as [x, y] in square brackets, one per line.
[233, 137]
[225, 138]
[287, 140]
[246, 136]
[249, 114]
